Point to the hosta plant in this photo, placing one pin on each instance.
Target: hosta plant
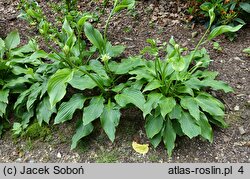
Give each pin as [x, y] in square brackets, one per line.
[96, 81]
[18, 76]
[176, 88]
[100, 85]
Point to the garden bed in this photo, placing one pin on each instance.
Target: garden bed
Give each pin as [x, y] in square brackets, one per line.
[150, 20]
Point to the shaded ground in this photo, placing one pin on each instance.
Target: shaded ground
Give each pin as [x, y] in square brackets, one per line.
[159, 21]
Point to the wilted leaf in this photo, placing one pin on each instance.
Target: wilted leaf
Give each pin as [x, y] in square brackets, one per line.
[140, 148]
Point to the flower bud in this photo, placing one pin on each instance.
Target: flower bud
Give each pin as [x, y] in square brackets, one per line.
[66, 49]
[176, 46]
[105, 58]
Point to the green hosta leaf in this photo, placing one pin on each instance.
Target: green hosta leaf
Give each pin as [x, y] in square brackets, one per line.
[218, 85]
[177, 127]
[206, 129]
[34, 14]
[95, 37]
[94, 110]
[211, 15]
[2, 48]
[81, 131]
[130, 95]
[57, 85]
[218, 102]
[169, 136]
[67, 109]
[245, 6]
[189, 126]
[206, 74]
[17, 128]
[83, 19]
[209, 105]
[69, 43]
[66, 28]
[125, 65]
[185, 90]
[153, 125]
[114, 51]
[12, 40]
[240, 21]
[97, 67]
[110, 119]
[4, 94]
[120, 87]
[201, 58]
[191, 104]
[142, 73]
[36, 90]
[44, 111]
[178, 64]
[152, 85]
[151, 103]
[39, 54]
[194, 83]
[82, 82]
[129, 4]
[3, 107]
[166, 105]
[21, 98]
[156, 140]
[30, 47]
[206, 6]
[223, 29]
[17, 70]
[176, 112]
[16, 82]
[25, 118]
[219, 121]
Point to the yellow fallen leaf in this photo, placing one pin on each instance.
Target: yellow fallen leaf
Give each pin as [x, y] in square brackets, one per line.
[140, 148]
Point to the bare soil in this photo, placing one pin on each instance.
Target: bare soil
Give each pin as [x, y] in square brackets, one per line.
[160, 21]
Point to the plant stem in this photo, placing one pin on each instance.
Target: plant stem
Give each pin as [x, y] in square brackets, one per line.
[200, 42]
[62, 59]
[108, 20]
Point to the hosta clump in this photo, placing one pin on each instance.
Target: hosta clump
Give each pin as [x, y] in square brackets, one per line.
[19, 78]
[101, 91]
[176, 90]
[177, 101]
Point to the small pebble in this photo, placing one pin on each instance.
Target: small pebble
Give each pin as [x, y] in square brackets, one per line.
[194, 34]
[31, 161]
[237, 58]
[59, 155]
[242, 130]
[236, 108]
[19, 160]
